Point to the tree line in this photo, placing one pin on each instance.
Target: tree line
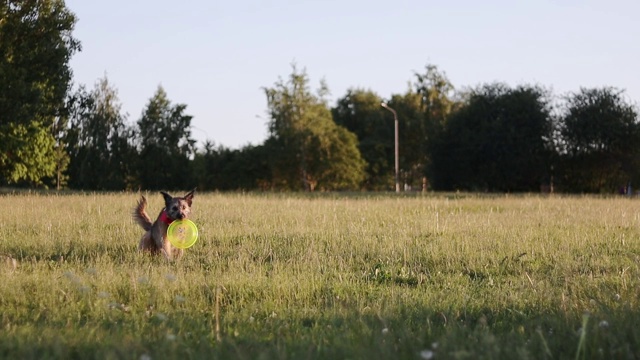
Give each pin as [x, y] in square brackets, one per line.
[491, 137]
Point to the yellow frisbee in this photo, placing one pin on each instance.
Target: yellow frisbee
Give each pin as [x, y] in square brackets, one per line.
[182, 233]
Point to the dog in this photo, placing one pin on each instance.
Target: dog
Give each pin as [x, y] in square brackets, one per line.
[154, 239]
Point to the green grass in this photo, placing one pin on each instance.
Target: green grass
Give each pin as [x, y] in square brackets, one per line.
[455, 276]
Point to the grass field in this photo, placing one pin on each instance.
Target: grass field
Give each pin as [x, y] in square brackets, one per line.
[455, 276]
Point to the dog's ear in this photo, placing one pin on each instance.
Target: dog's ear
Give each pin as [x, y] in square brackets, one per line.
[167, 198]
[189, 196]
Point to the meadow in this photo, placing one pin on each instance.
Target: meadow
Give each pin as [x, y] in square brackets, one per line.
[329, 276]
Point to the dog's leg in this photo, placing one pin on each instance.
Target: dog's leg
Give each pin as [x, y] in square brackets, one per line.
[167, 255]
[170, 252]
[157, 234]
[146, 243]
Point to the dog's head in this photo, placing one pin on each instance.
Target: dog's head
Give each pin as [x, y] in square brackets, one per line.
[178, 208]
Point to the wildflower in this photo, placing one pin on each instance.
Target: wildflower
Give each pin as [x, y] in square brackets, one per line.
[603, 324]
[179, 299]
[161, 316]
[113, 305]
[385, 331]
[104, 295]
[145, 357]
[72, 277]
[143, 280]
[171, 277]
[251, 319]
[171, 337]
[121, 307]
[426, 354]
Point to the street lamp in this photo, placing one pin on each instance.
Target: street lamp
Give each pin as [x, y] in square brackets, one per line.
[395, 119]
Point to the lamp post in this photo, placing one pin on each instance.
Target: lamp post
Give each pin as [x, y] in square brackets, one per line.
[395, 119]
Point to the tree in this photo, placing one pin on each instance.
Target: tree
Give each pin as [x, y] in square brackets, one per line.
[100, 142]
[78, 104]
[499, 140]
[166, 146]
[599, 141]
[436, 98]
[35, 48]
[422, 112]
[310, 150]
[221, 168]
[359, 111]
[437, 103]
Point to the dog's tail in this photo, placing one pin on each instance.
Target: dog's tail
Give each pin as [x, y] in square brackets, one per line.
[140, 214]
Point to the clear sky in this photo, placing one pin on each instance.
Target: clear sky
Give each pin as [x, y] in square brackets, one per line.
[216, 56]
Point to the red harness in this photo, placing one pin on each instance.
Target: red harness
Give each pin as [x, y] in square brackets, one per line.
[165, 218]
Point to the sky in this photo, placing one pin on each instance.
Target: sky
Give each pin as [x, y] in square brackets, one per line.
[218, 56]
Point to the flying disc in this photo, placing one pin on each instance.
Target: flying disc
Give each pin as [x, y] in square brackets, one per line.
[182, 233]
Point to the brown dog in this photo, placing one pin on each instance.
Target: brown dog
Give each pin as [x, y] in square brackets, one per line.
[155, 238]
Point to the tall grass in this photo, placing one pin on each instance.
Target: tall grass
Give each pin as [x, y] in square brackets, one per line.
[291, 277]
